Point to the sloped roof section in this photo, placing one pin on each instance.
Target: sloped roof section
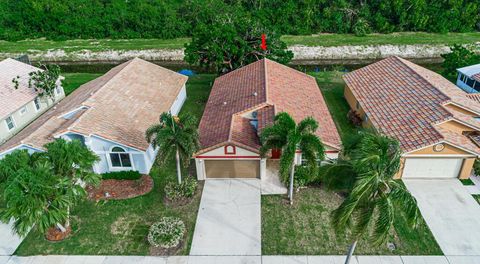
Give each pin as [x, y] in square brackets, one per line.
[12, 99]
[267, 88]
[407, 101]
[118, 106]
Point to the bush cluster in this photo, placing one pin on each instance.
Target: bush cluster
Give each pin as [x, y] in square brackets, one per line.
[175, 191]
[166, 233]
[71, 19]
[122, 175]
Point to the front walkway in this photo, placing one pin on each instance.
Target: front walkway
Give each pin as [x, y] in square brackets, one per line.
[241, 260]
[451, 213]
[8, 241]
[229, 219]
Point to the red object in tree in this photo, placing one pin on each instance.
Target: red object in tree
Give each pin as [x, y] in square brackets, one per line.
[264, 42]
[276, 153]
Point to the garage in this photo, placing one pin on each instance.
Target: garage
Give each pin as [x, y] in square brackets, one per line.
[432, 168]
[232, 168]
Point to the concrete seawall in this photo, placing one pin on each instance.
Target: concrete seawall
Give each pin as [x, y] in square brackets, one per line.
[303, 54]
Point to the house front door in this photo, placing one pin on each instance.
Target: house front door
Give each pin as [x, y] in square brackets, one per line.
[276, 153]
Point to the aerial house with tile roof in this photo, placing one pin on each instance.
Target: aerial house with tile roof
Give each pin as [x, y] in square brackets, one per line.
[436, 123]
[110, 116]
[468, 78]
[20, 106]
[245, 101]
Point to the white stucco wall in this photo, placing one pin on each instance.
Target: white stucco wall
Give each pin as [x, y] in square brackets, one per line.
[22, 120]
[177, 105]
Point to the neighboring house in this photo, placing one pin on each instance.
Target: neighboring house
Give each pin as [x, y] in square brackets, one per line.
[436, 123]
[19, 107]
[469, 78]
[245, 101]
[110, 116]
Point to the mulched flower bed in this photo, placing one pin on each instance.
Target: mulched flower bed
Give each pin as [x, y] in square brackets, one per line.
[54, 234]
[120, 189]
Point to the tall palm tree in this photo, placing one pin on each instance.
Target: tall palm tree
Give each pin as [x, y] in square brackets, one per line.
[286, 135]
[175, 136]
[376, 198]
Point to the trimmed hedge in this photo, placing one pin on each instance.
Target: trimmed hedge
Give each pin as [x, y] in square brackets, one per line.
[122, 175]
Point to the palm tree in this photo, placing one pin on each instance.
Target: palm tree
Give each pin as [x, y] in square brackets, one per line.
[73, 161]
[175, 136]
[376, 197]
[286, 135]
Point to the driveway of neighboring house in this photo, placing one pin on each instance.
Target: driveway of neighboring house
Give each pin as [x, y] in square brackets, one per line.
[452, 214]
[8, 241]
[228, 221]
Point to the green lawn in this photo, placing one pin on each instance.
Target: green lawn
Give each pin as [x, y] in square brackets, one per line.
[36, 45]
[400, 38]
[305, 228]
[74, 80]
[120, 227]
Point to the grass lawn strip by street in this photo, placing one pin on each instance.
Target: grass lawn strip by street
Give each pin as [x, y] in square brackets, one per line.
[305, 228]
[326, 40]
[120, 227]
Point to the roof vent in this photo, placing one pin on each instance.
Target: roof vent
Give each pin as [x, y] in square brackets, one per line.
[255, 94]
[224, 103]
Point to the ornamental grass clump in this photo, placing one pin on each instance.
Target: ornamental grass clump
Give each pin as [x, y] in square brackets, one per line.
[186, 189]
[166, 233]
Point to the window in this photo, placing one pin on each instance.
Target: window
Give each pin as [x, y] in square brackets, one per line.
[230, 150]
[470, 82]
[366, 118]
[37, 104]
[476, 86]
[58, 90]
[23, 110]
[120, 158]
[10, 123]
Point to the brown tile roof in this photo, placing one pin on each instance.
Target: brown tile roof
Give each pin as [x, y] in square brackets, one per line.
[476, 77]
[12, 99]
[407, 101]
[474, 96]
[121, 105]
[268, 88]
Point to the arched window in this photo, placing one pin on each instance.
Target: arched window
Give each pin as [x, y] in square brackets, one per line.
[120, 158]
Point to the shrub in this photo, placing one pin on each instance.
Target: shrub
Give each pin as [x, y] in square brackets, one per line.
[476, 167]
[354, 118]
[304, 175]
[186, 189]
[166, 233]
[122, 175]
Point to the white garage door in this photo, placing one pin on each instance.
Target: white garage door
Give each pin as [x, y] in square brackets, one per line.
[432, 167]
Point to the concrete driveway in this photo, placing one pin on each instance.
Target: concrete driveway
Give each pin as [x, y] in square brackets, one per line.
[452, 214]
[8, 240]
[228, 221]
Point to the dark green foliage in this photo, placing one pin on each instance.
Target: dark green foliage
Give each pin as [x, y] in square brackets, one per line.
[476, 167]
[122, 175]
[69, 19]
[457, 58]
[13, 162]
[232, 41]
[304, 175]
[175, 191]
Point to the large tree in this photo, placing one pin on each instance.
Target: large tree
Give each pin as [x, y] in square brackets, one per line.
[288, 136]
[42, 188]
[376, 197]
[175, 136]
[232, 41]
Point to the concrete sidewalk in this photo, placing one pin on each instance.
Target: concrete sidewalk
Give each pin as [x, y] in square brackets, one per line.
[54, 259]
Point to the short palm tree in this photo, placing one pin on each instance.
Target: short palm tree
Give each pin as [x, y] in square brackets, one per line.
[286, 135]
[73, 161]
[376, 198]
[175, 136]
